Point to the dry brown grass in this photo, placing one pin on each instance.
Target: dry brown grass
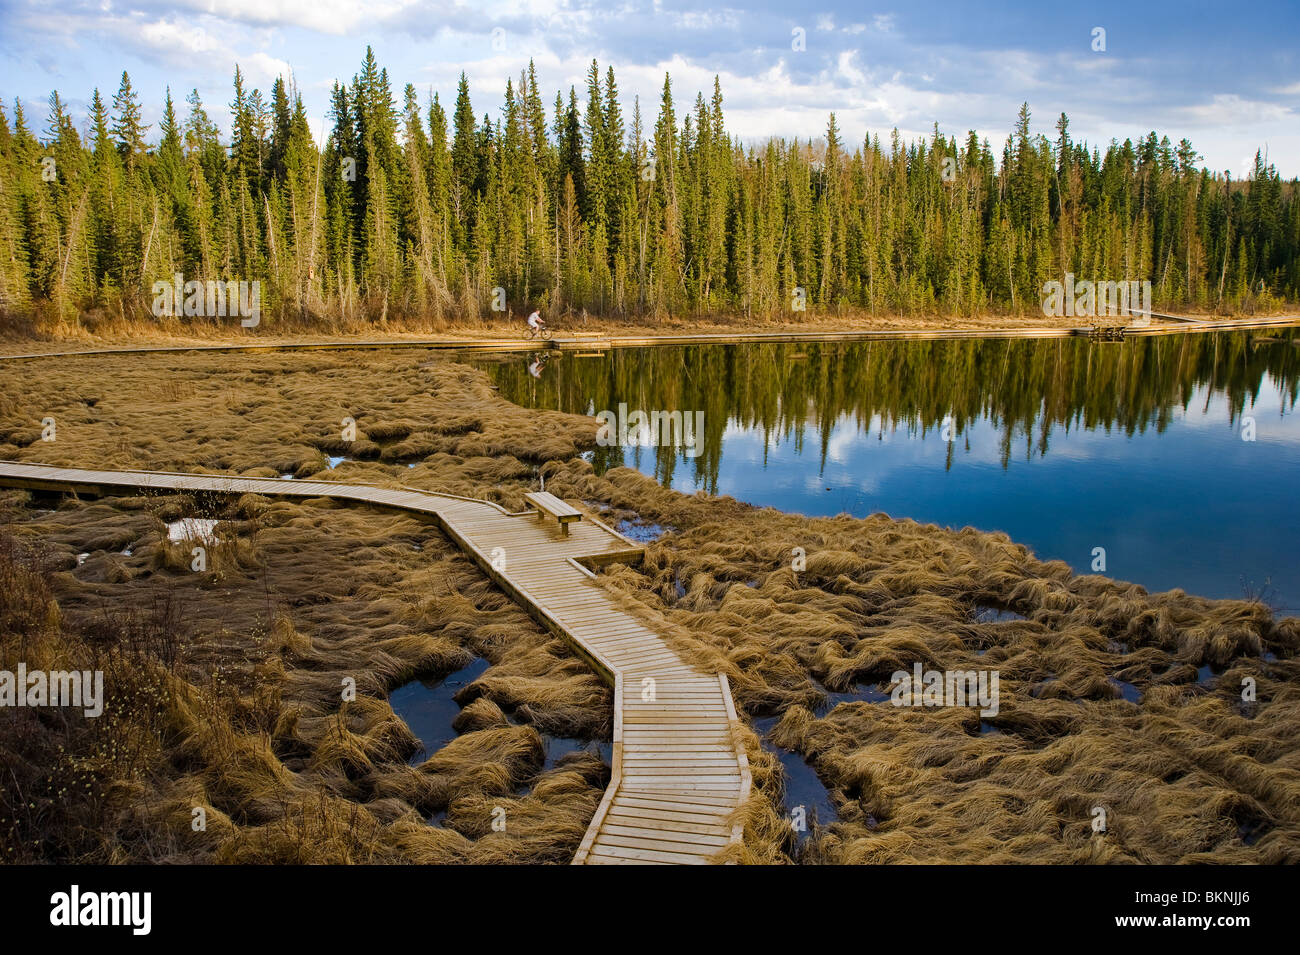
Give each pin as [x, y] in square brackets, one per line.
[248, 722]
[296, 597]
[266, 415]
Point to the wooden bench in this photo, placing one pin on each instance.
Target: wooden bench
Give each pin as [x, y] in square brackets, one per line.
[550, 505]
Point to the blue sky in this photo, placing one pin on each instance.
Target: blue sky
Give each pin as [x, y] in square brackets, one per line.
[1225, 76]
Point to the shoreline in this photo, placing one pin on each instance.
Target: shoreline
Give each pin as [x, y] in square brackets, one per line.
[565, 340]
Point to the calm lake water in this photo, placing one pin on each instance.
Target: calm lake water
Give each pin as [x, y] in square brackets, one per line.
[1178, 455]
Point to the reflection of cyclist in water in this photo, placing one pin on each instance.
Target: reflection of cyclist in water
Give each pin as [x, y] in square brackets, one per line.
[538, 364]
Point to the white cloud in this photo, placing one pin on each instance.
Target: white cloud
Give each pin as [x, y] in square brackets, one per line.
[1229, 109]
[178, 39]
[706, 20]
[870, 71]
[336, 17]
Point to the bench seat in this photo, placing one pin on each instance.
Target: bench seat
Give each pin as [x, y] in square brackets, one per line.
[548, 505]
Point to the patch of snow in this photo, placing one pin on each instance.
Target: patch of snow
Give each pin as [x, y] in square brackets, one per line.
[192, 528]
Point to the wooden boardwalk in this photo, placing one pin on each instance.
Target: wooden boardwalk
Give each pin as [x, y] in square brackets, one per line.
[578, 341]
[679, 769]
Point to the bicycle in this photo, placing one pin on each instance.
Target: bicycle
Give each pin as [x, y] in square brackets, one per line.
[544, 333]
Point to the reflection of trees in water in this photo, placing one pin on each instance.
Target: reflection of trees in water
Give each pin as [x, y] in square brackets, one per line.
[1026, 387]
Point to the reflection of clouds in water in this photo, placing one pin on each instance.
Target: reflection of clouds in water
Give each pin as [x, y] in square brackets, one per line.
[1270, 406]
[850, 447]
[841, 442]
[743, 445]
[858, 485]
[1069, 452]
[982, 441]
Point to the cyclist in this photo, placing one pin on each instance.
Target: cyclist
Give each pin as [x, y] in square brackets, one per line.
[535, 323]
